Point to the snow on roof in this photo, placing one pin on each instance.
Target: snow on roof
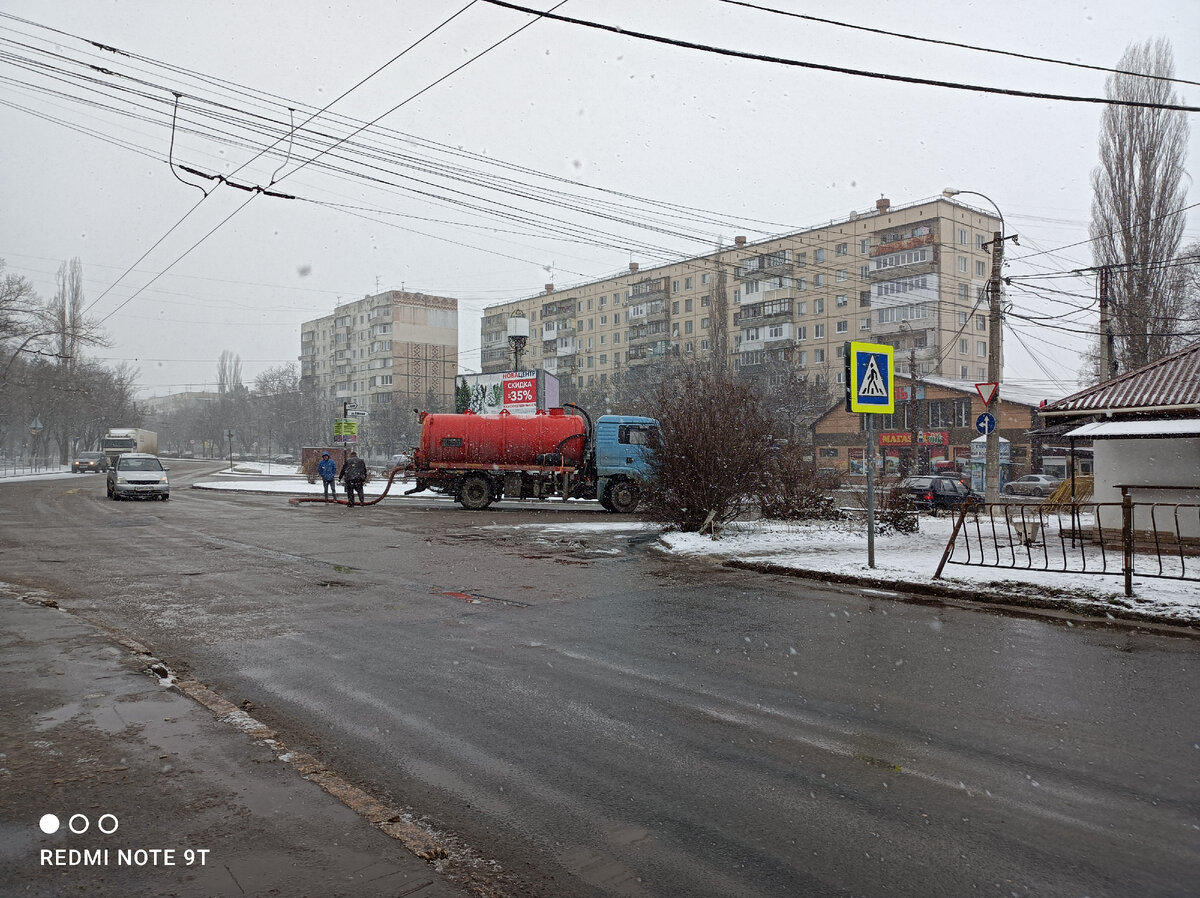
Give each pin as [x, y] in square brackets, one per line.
[1008, 392]
[1142, 427]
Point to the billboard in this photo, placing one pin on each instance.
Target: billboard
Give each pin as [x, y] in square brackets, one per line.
[517, 392]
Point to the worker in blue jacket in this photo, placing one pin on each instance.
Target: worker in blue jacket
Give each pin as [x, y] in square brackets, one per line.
[328, 471]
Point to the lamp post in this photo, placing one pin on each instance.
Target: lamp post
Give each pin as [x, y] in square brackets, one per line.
[995, 337]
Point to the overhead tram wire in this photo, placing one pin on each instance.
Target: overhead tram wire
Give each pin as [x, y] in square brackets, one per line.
[841, 70]
[693, 213]
[955, 44]
[251, 198]
[706, 238]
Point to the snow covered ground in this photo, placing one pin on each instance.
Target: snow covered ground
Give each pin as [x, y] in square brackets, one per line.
[902, 561]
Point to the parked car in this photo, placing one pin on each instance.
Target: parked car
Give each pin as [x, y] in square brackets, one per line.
[1031, 485]
[138, 474]
[400, 460]
[89, 462]
[930, 493]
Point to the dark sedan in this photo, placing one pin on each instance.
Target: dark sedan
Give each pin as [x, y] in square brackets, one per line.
[89, 463]
[933, 494]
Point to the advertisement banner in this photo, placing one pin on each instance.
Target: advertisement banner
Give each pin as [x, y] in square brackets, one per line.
[345, 430]
[516, 392]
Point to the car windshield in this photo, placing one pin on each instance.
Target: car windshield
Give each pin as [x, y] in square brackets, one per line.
[140, 464]
[87, 455]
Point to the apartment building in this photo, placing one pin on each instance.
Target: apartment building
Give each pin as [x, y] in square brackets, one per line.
[911, 276]
[393, 344]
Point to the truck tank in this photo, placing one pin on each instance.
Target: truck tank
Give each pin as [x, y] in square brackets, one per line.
[503, 439]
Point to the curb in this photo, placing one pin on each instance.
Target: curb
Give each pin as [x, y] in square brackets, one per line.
[1016, 600]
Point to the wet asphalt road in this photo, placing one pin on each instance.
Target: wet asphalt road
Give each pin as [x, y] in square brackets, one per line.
[598, 720]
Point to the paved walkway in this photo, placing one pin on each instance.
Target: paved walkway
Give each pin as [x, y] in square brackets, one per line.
[176, 798]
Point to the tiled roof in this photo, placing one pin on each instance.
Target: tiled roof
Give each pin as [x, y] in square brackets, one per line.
[1171, 384]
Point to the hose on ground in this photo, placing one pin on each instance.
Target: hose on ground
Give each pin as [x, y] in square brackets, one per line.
[297, 500]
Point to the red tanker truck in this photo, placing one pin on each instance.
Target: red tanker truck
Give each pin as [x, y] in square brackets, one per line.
[479, 459]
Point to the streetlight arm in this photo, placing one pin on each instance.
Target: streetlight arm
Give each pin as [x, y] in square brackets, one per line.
[954, 191]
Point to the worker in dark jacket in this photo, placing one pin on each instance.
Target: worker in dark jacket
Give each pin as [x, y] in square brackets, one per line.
[327, 468]
[354, 474]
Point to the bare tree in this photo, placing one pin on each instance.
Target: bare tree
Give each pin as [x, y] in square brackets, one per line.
[229, 372]
[714, 448]
[1138, 193]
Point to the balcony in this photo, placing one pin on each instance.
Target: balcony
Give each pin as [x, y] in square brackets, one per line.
[559, 308]
[771, 308]
[776, 264]
[649, 290]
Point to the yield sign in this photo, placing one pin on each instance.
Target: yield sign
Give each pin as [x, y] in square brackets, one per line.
[987, 392]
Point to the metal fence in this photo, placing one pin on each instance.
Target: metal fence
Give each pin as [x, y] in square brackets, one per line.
[1153, 539]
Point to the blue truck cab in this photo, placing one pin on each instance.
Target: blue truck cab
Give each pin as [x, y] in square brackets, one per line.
[624, 446]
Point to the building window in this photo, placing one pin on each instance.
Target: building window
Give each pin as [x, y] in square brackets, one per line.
[962, 316]
[964, 347]
[687, 305]
[674, 286]
[703, 324]
[864, 272]
[687, 327]
[981, 349]
[687, 283]
[841, 275]
[980, 268]
[818, 331]
[802, 358]
[818, 306]
[841, 300]
[818, 280]
[841, 249]
[981, 322]
[704, 278]
[963, 236]
[819, 255]
[819, 356]
[962, 264]
[802, 308]
[802, 332]
[864, 324]
[962, 372]
[842, 327]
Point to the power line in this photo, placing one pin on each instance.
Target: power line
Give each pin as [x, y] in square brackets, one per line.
[944, 43]
[841, 70]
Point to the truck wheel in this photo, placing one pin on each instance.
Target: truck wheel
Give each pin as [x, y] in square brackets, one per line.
[475, 493]
[623, 496]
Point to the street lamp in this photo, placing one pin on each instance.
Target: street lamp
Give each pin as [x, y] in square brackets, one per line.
[995, 337]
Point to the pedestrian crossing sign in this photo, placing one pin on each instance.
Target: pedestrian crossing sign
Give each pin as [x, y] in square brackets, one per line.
[871, 386]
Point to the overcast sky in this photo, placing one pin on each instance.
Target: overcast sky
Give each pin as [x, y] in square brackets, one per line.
[748, 147]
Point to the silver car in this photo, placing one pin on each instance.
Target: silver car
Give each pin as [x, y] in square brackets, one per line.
[138, 474]
[1031, 485]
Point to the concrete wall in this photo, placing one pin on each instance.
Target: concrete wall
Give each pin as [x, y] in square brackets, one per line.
[1150, 463]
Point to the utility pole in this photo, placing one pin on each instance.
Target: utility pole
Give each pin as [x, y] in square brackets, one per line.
[1108, 360]
[914, 423]
[991, 475]
[992, 463]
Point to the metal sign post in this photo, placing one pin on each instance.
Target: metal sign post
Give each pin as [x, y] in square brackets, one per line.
[870, 390]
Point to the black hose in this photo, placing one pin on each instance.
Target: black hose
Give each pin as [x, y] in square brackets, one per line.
[297, 500]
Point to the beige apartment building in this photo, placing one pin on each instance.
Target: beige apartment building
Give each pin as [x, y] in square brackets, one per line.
[394, 344]
[911, 276]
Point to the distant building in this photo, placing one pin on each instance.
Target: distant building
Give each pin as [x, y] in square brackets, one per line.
[176, 402]
[394, 344]
[938, 417]
[912, 276]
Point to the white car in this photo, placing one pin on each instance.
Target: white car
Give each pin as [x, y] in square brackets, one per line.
[138, 474]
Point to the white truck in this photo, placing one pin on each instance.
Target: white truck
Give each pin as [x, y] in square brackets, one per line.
[119, 440]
